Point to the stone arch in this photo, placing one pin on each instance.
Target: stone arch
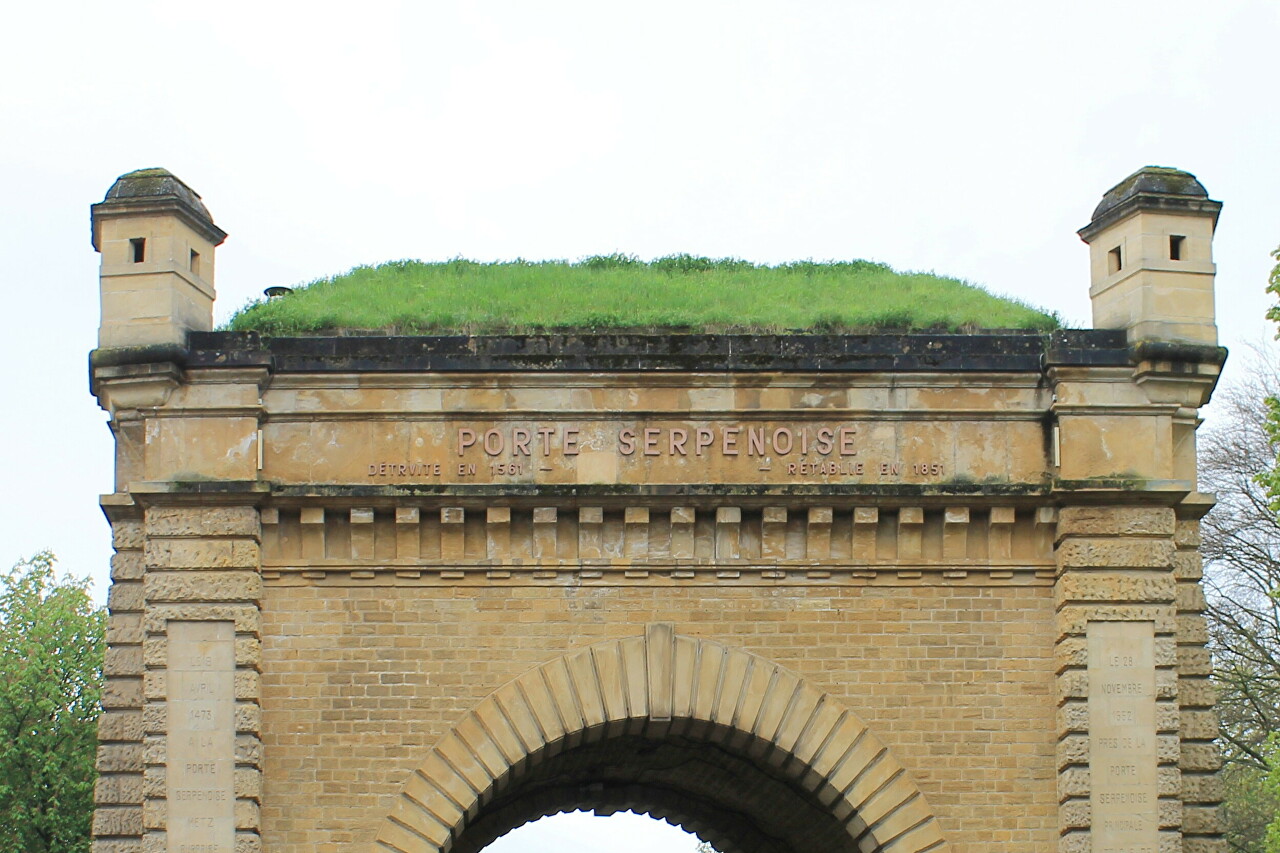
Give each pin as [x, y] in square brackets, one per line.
[658, 684]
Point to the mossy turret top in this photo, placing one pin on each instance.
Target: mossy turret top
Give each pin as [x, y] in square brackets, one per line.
[149, 190]
[1152, 188]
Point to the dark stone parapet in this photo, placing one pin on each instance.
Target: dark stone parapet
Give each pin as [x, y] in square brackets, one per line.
[1014, 351]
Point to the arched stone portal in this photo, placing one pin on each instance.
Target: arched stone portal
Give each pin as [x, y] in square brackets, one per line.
[333, 552]
[719, 740]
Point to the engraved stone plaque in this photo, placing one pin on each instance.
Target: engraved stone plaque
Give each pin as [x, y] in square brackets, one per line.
[201, 706]
[1122, 736]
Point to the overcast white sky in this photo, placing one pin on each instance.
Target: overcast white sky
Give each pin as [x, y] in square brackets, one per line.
[968, 138]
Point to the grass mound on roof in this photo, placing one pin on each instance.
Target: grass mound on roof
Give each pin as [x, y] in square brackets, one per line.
[617, 292]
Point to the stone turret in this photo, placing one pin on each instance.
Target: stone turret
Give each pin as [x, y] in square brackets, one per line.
[1151, 258]
[157, 241]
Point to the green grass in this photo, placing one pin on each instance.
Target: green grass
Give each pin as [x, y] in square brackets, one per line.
[617, 292]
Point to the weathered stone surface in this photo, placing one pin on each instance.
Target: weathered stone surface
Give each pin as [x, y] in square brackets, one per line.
[1115, 521]
[202, 521]
[1115, 553]
[204, 586]
[416, 616]
[117, 820]
[119, 758]
[118, 789]
[1094, 586]
[120, 725]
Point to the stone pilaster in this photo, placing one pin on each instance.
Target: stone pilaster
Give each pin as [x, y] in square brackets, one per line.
[1115, 573]
[201, 684]
[117, 820]
[1200, 760]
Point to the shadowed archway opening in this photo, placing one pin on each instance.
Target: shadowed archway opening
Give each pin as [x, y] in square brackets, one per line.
[729, 745]
[711, 784]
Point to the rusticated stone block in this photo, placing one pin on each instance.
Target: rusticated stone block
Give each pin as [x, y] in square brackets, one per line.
[124, 628]
[154, 781]
[119, 758]
[248, 842]
[1074, 618]
[1186, 533]
[1075, 842]
[1168, 749]
[1074, 782]
[1073, 717]
[1194, 660]
[122, 693]
[204, 586]
[155, 814]
[127, 566]
[1201, 820]
[1071, 652]
[1199, 788]
[1188, 566]
[1200, 758]
[248, 717]
[1073, 685]
[248, 685]
[248, 783]
[197, 554]
[1193, 629]
[1204, 845]
[247, 815]
[155, 717]
[248, 652]
[118, 789]
[1199, 725]
[1115, 521]
[122, 660]
[120, 725]
[116, 845]
[155, 749]
[1073, 749]
[1095, 586]
[247, 617]
[1169, 814]
[1168, 717]
[202, 521]
[1116, 553]
[122, 820]
[1190, 598]
[248, 750]
[125, 596]
[1075, 814]
[127, 535]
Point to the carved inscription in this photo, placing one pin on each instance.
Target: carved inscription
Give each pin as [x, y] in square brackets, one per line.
[201, 731]
[664, 451]
[1122, 736]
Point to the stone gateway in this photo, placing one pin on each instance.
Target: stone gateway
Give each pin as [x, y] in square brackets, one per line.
[885, 593]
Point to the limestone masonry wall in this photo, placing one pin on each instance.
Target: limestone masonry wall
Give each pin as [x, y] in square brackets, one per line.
[901, 593]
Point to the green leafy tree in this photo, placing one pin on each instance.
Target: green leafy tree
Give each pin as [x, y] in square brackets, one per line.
[1242, 573]
[51, 650]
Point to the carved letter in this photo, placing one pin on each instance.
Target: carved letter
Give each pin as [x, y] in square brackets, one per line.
[520, 442]
[729, 440]
[825, 442]
[466, 438]
[545, 434]
[846, 442]
[703, 438]
[651, 441]
[755, 441]
[571, 441]
[678, 438]
[493, 442]
[782, 441]
[627, 442]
